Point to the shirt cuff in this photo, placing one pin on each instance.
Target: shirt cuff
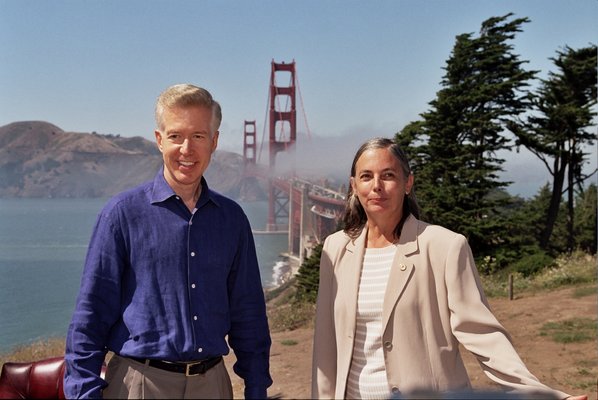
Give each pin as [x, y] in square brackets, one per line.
[256, 392]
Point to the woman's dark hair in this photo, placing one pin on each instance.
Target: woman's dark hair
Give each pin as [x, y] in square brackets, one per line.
[354, 218]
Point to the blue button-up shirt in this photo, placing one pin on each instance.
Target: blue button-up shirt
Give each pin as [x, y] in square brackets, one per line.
[166, 283]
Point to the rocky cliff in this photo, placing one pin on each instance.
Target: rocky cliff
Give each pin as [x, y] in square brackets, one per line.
[38, 159]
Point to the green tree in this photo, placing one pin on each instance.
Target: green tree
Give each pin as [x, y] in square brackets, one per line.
[558, 130]
[454, 147]
[585, 220]
[308, 276]
[527, 225]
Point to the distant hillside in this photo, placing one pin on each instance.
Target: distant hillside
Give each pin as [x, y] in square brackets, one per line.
[38, 159]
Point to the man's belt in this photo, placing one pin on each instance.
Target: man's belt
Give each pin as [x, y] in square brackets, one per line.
[188, 368]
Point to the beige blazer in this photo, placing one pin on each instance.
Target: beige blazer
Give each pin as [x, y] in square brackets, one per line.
[433, 302]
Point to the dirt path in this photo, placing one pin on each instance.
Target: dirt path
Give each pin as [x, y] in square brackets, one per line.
[572, 367]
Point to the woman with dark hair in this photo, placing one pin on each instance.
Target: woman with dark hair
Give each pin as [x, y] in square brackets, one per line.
[398, 295]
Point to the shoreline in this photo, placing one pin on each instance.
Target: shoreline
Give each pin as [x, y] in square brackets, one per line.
[283, 271]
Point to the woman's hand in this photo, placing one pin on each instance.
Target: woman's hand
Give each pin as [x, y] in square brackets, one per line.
[582, 397]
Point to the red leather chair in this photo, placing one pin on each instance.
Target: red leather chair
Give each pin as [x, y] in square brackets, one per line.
[34, 380]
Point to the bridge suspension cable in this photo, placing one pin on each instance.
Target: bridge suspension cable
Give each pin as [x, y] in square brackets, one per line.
[302, 107]
[259, 155]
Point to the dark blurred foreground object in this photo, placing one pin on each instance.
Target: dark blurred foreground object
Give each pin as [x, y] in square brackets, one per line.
[469, 395]
[33, 380]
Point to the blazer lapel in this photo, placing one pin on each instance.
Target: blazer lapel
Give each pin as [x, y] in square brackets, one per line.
[401, 269]
[347, 272]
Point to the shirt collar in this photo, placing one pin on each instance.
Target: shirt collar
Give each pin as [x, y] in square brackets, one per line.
[161, 191]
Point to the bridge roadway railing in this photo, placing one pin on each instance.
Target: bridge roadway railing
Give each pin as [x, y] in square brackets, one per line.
[312, 212]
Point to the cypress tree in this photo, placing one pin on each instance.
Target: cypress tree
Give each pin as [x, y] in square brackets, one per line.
[454, 147]
[558, 130]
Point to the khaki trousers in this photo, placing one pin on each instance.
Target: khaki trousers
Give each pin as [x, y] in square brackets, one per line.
[128, 379]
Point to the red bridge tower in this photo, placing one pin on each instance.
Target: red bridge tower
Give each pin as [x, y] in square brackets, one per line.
[283, 134]
[249, 142]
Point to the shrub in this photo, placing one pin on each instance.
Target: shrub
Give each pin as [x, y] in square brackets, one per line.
[291, 316]
[308, 277]
[531, 264]
[572, 269]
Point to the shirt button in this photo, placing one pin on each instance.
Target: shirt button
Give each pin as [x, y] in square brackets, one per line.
[199, 350]
[192, 254]
[195, 317]
[193, 286]
[388, 345]
[395, 389]
[177, 197]
[403, 267]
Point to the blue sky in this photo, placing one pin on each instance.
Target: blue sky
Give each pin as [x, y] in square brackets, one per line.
[365, 68]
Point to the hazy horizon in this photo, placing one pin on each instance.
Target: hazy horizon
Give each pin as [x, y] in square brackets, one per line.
[363, 69]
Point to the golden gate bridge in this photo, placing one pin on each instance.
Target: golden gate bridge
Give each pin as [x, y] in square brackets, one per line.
[305, 211]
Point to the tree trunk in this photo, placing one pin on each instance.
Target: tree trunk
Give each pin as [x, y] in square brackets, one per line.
[555, 199]
[570, 202]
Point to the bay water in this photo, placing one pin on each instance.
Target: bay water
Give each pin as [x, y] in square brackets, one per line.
[43, 243]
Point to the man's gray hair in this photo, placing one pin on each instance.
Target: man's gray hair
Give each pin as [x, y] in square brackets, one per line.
[185, 95]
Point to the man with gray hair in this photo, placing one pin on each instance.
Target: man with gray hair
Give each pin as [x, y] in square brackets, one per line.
[171, 273]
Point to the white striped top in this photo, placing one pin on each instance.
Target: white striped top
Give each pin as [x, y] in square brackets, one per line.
[367, 376]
